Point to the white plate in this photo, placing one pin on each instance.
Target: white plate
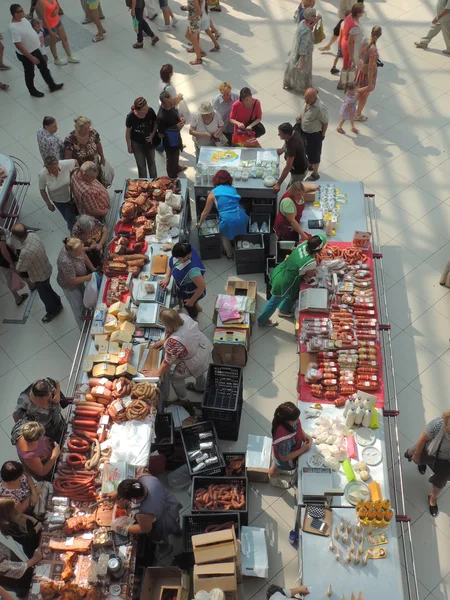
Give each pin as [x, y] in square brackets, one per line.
[315, 460]
[371, 456]
[359, 488]
[365, 436]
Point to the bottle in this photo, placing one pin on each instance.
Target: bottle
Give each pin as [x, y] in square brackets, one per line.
[378, 521]
[359, 505]
[348, 405]
[362, 514]
[371, 514]
[350, 420]
[387, 516]
[378, 505]
[386, 504]
[367, 417]
[359, 415]
[368, 504]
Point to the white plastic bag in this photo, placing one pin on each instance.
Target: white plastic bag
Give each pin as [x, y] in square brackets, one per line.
[91, 291]
[131, 441]
[122, 524]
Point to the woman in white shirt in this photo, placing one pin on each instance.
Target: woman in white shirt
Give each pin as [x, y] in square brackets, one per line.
[54, 185]
[206, 128]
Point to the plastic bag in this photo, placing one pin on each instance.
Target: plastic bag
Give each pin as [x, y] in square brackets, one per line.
[131, 441]
[180, 478]
[122, 524]
[106, 174]
[313, 373]
[91, 291]
[16, 283]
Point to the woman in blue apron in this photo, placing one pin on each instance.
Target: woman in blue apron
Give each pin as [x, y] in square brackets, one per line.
[188, 272]
[232, 219]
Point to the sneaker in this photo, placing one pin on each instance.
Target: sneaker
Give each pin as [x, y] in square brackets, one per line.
[313, 177]
[85, 21]
[420, 45]
[334, 71]
[175, 21]
[60, 62]
[155, 40]
[279, 483]
[74, 60]
[286, 315]
[37, 94]
[165, 28]
[56, 87]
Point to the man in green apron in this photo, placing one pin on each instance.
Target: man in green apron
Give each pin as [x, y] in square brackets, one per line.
[286, 277]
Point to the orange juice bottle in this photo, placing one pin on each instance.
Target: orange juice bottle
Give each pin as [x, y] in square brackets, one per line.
[378, 504]
[386, 504]
[387, 516]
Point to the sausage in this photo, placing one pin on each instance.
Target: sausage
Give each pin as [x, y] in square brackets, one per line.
[90, 435]
[78, 445]
[74, 460]
[86, 412]
[94, 405]
[95, 381]
[101, 391]
[84, 422]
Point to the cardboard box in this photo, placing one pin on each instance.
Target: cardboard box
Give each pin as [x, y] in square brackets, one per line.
[310, 196]
[157, 579]
[218, 575]
[258, 459]
[170, 592]
[218, 546]
[230, 346]
[243, 288]
[255, 558]
[305, 359]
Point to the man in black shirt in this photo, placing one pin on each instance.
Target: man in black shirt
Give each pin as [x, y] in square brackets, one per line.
[294, 154]
[169, 125]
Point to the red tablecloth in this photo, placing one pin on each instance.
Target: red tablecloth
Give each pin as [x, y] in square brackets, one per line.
[304, 390]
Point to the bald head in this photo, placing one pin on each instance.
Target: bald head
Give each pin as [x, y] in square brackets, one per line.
[19, 231]
[310, 95]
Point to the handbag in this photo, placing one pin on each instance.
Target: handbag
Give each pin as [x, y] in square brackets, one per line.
[258, 129]
[173, 138]
[318, 32]
[106, 174]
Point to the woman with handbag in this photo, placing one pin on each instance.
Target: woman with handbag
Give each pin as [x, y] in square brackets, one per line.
[349, 34]
[433, 450]
[206, 128]
[298, 73]
[36, 451]
[93, 234]
[246, 114]
[366, 75]
[74, 270]
[17, 484]
[141, 137]
[25, 530]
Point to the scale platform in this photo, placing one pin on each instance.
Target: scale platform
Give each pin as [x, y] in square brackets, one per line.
[142, 293]
[314, 300]
[315, 482]
[148, 315]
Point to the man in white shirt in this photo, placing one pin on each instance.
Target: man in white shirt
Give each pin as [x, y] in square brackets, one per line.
[54, 185]
[441, 22]
[27, 44]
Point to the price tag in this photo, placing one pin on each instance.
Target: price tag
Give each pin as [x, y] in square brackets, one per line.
[104, 420]
[70, 541]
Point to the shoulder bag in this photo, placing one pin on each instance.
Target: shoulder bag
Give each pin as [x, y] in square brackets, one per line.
[258, 129]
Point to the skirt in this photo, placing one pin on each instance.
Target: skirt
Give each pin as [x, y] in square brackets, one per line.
[297, 80]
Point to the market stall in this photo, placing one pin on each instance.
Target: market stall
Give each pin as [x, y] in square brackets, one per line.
[14, 183]
[349, 408]
[111, 424]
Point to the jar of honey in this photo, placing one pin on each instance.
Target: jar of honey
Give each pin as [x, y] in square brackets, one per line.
[378, 504]
[371, 513]
[368, 504]
[359, 505]
[386, 504]
[387, 516]
[362, 513]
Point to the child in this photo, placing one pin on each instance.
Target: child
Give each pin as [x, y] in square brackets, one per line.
[37, 26]
[348, 108]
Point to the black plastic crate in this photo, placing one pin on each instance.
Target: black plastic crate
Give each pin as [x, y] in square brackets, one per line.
[222, 397]
[264, 205]
[204, 482]
[249, 255]
[248, 268]
[196, 524]
[227, 430]
[191, 440]
[164, 434]
[200, 203]
[246, 204]
[229, 456]
[209, 245]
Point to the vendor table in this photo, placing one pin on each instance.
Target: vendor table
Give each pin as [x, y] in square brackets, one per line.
[13, 189]
[318, 567]
[383, 577]
[52, 564]
[378, 473]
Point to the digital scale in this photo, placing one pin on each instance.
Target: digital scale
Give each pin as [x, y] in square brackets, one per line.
[148, 315]
[314, 300]
[141, 293]
[317, 485]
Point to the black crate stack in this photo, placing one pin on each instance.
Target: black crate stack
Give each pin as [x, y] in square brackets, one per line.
[251, 259]
[223, 399]
[209, 244]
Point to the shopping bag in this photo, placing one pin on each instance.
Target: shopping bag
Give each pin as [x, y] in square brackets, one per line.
[135, 24]
[16, 283]
[106, 174]
[91, 291]
[318, 32]
[240, 139]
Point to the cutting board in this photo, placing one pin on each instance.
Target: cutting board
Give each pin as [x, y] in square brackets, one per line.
[159, 264]
[104, 515]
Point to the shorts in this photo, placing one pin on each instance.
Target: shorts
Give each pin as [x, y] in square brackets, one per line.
[337, 29]
[54, 29]
[313, 146]
[92, 4]
[194, 26]
[163, 4]
[339, 53]
[296, 177]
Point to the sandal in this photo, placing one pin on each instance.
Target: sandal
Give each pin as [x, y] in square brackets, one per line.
[23, 297]
[340, 130]
[355, 130]
[98, 38]
[215, 49]
[191, 387]
[138, 45]
[361, 118]
[4, 86]
[196, 62]
[191, 51]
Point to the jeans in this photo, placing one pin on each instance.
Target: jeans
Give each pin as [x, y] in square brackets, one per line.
[143, 25]
[66, 209]
[49, 297]
[28, 68]
[75, 299]
[144, 155]
[283, 303]
[172, 162]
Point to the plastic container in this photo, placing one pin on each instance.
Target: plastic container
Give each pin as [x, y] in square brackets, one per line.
[196, 524]
[209, 244]
[164, 434]
[250, 259]
[190, 437]
[261, 218]
[223, 397]
[204, 482]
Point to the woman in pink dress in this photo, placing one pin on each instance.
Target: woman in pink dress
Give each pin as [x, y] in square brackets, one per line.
[349, 32]
[366, 75]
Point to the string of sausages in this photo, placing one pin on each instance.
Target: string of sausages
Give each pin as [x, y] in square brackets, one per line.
[220, 497]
